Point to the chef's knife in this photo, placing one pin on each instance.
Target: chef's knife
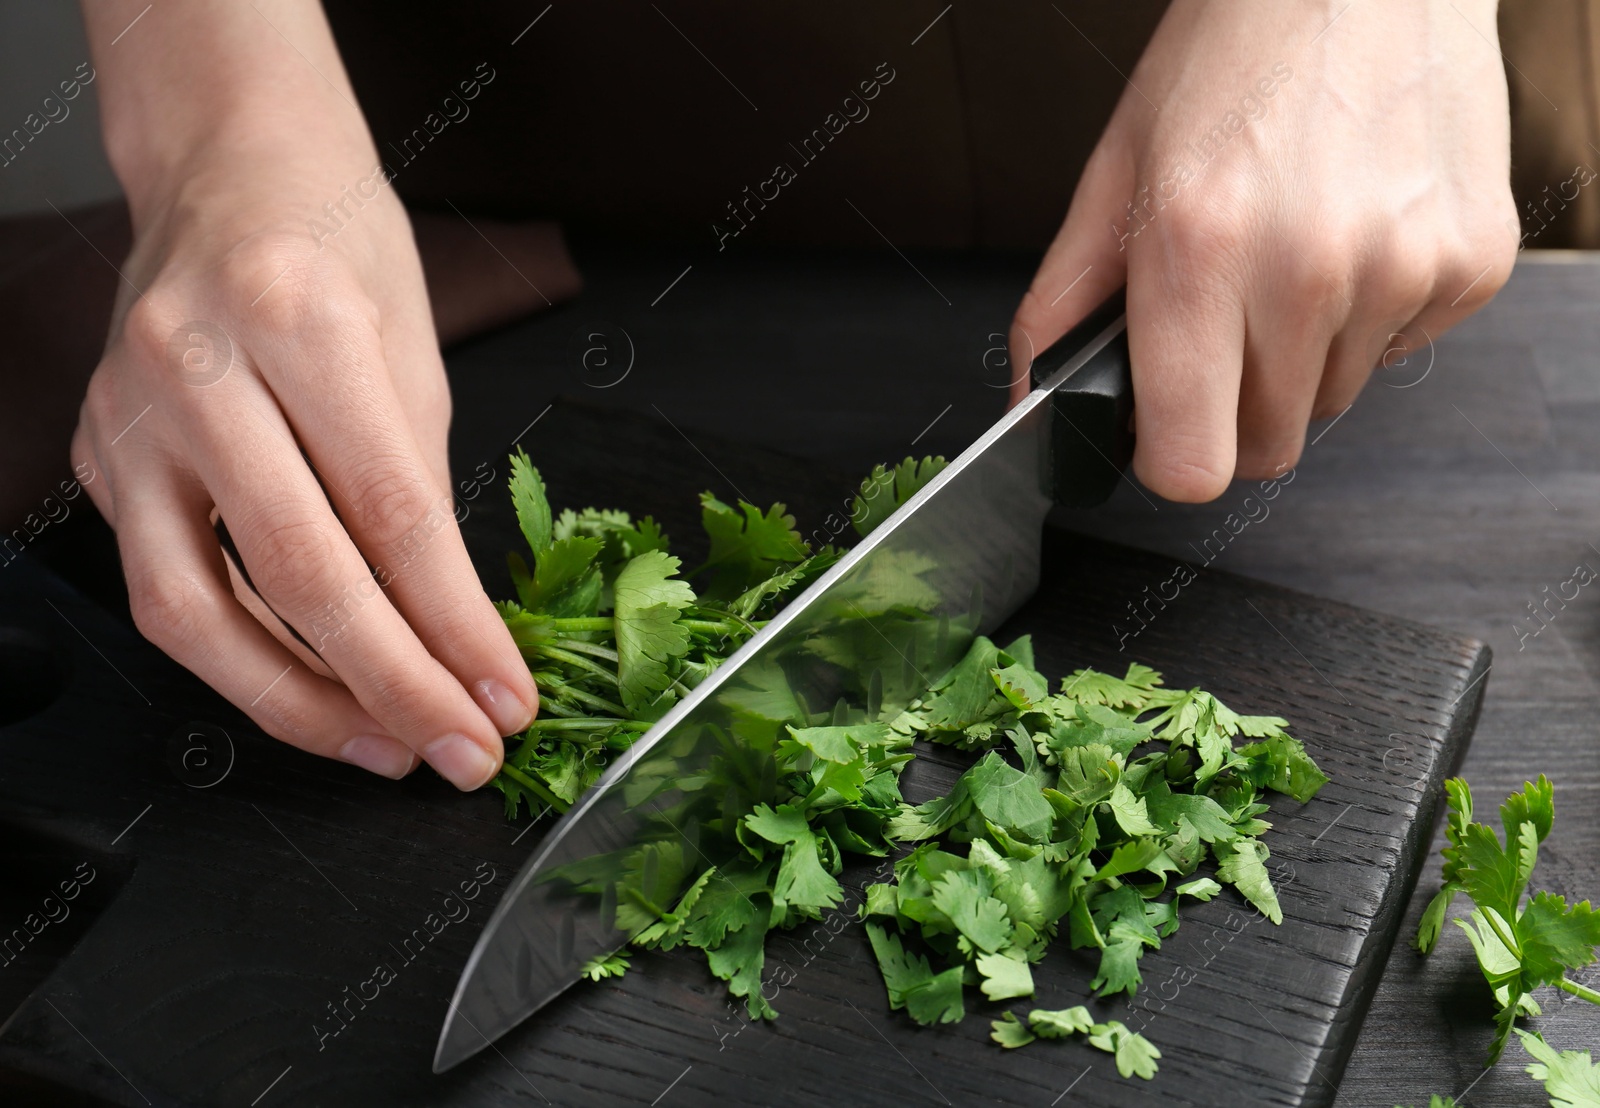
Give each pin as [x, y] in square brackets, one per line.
[951, 563]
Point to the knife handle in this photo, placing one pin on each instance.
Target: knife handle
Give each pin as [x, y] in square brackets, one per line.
[1091, 439]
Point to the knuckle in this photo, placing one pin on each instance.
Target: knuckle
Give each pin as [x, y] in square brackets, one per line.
[393, 505]
[169, 608]
[401, 695]
[148, 326]
[294, 560]
[254, 261]
[1410, 272]
[1213, 232]
[336, 315]
[1318, 269]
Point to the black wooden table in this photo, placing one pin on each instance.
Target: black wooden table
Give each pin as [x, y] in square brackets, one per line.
[1451, 497]
[1453, 492]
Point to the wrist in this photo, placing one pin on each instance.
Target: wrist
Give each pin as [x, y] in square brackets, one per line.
[238, 136]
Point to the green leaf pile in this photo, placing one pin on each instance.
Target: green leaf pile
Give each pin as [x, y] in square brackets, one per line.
[615, 634]
[1086, 815]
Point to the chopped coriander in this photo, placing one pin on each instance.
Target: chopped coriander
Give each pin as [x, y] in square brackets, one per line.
[1080, 808]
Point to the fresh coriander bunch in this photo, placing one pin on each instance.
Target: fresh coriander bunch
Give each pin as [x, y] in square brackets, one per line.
[615, 633]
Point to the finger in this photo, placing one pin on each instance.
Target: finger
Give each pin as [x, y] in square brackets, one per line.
[1382, 331]
[306, 568]
[386, 494]
[1085, 264]
[1297, 311]
[182, 602]
[1186, 334]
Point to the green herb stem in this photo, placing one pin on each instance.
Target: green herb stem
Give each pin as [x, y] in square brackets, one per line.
[573, 624]
[533, 787]
[583, 646]
[600, 702]
[1583, 992]
[1508, 941]
[556, 708]
[585, 723]
[577, 661]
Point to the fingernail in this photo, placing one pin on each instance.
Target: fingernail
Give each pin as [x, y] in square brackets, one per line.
[460, 761]
[507, 711]
[379, 754]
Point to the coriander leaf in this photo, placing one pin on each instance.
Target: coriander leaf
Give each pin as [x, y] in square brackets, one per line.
[1129, 857]
[1133, 1051]
[1130, 812]
[605, 965]
[1555, 938]
[528, 496]
[802, 883]
[648, 601]
[933, 817]
[884, 490]
[1207, 817]
[1022, 685]
[1086, 724]
[1242, 864]
[1534, 805]
[1486, 872]
[1010, 798]
[667, 932]
[565, 581]
[1499, 964]
[1060, 1023]
[1131, 691]
[1010, 1032]
[1432, 922]
[937, 1000]
[967, 690]
[833, 744]
[1570, 1078]
[748, 546]
[1437, 1101]
[784, 824]
[738, 961]
[747, 603]
[1281, 763]
[1089, 773]
[1119, 968]
[1004, 977]
[964, 896]
[723, 906]
[902, 970]
[1201, 889]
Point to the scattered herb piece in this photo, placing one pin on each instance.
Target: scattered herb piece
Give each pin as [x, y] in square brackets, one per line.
[1520, 946]
[1570, 1078]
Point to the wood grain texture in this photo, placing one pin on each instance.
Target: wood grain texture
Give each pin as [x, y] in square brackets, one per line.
[244, 908]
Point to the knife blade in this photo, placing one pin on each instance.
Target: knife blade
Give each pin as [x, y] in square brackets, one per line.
[951, 563]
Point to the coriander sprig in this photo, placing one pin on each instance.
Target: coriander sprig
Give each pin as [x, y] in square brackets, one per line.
[1520, 945]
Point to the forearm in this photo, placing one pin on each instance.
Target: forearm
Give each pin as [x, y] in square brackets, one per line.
[188, 77]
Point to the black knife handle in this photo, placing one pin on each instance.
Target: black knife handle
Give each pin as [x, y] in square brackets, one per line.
[1091, 440]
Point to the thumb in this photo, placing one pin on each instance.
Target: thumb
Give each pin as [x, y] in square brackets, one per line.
[1085, 264]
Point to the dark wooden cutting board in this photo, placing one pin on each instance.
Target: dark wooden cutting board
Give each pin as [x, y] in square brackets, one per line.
[228, 894]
